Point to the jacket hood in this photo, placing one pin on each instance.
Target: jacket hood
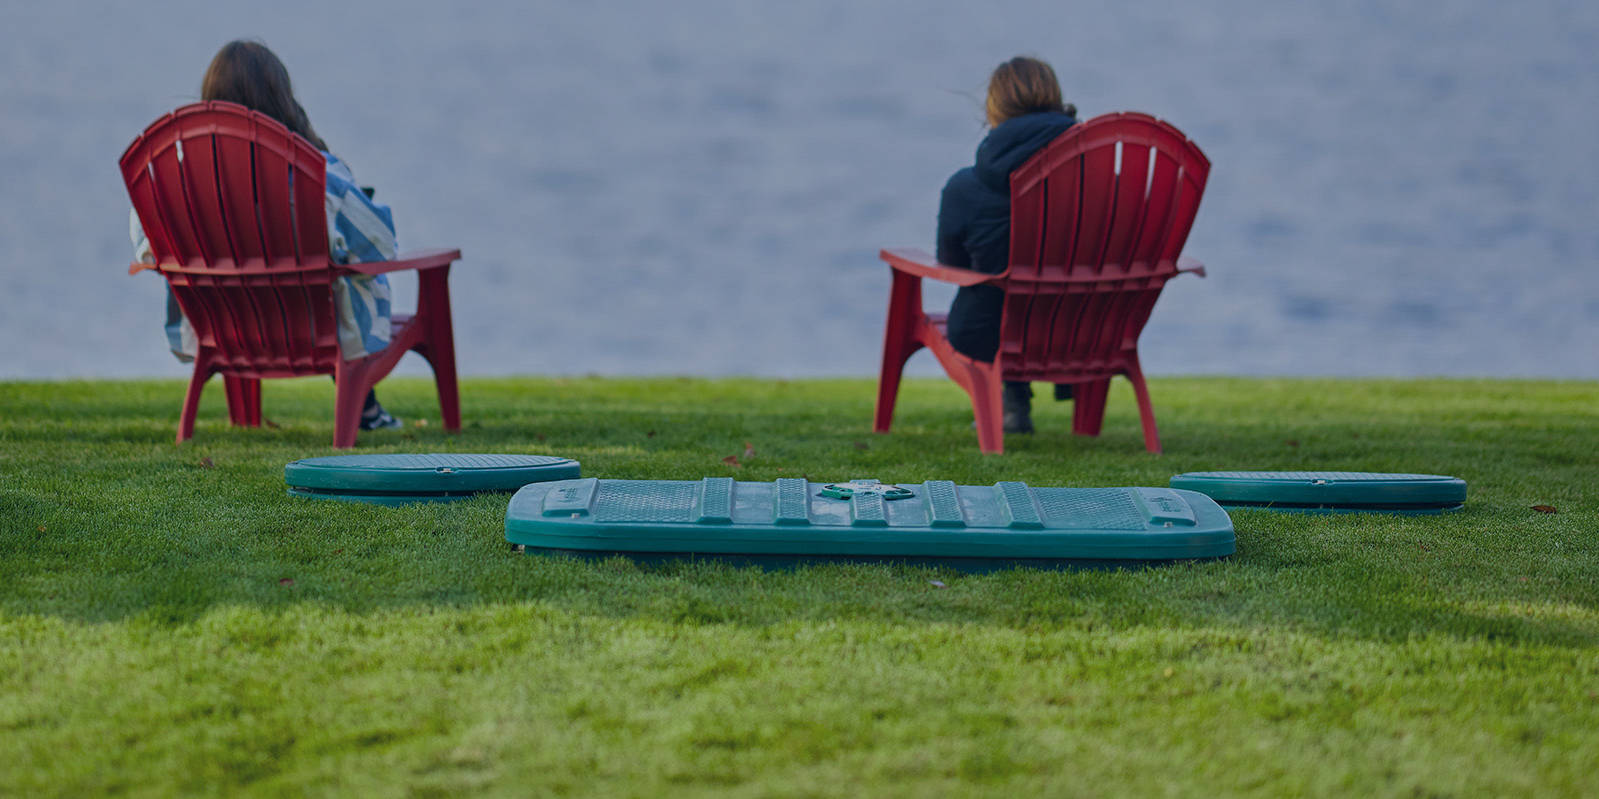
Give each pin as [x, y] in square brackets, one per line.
[1013, 142]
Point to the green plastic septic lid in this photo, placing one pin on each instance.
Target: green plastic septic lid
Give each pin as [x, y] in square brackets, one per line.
[793, 517]
[1332, 489]
[445, 472]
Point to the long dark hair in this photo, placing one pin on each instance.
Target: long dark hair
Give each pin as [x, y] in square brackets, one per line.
[249, 74]
[1023, 85]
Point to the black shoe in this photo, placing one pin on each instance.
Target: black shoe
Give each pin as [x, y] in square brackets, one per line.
[381, 420]
[1018, 404]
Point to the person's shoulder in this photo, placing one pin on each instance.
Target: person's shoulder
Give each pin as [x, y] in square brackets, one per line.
[964, 180]
[340, 178]
[966, 189]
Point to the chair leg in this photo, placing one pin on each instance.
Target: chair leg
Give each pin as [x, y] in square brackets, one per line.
[244, 400]
[433, 303]
[191, 399]
[349, 389]
[1146, 411]
[253, 395]
[988, 407]
[899, 343]
[235, 400]
[1088, 406]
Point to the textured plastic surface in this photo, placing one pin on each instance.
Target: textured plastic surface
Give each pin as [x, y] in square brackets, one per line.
[232, 203]
[379, 498]
[1328, 491]
[792, 518]
[398, 478]
[1099, 217]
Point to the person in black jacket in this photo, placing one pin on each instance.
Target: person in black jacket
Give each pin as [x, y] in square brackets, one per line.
[1025, 112]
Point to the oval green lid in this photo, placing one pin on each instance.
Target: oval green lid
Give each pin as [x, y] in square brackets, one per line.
[398, 476]
[1331, 490]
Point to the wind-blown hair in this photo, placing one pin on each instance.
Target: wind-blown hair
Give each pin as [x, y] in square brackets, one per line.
[1023, 85]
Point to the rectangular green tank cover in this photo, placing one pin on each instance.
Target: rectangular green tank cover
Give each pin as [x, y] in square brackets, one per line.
[862, 518]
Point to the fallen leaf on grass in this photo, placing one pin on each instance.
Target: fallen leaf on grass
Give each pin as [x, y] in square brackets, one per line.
[420, 423]
[270, 423]
[732, 460]
[937, 584]
[539, 436]
[749, 450]
[207, 463]
[286, 581]
[862, 445]
[1545, 508]
[338, 551]
[1292, 442]
[41, 528]
[650, 434]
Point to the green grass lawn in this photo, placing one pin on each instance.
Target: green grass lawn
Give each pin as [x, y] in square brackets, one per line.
[172, 622]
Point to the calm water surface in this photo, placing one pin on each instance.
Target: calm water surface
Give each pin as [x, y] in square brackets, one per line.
[702, 187]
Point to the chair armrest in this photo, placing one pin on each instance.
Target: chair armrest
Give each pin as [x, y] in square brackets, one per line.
[139, 266]
[1186, 264]
[923, 264]
[421, 259]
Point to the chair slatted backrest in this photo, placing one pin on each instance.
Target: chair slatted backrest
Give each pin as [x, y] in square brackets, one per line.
[232, 203]
[1098, 219]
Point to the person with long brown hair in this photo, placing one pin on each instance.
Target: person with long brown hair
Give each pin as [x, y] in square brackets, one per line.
[359, 230]
[1024, 111]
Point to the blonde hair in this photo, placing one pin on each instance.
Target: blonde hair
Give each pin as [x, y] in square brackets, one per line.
[1023, 85]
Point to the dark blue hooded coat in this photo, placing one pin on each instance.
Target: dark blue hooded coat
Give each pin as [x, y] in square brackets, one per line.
[974, 224]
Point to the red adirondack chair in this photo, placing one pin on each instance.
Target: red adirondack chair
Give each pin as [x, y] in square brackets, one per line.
[232, 203]
[1098, 221]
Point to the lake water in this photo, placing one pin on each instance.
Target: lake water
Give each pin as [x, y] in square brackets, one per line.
[702, 187]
